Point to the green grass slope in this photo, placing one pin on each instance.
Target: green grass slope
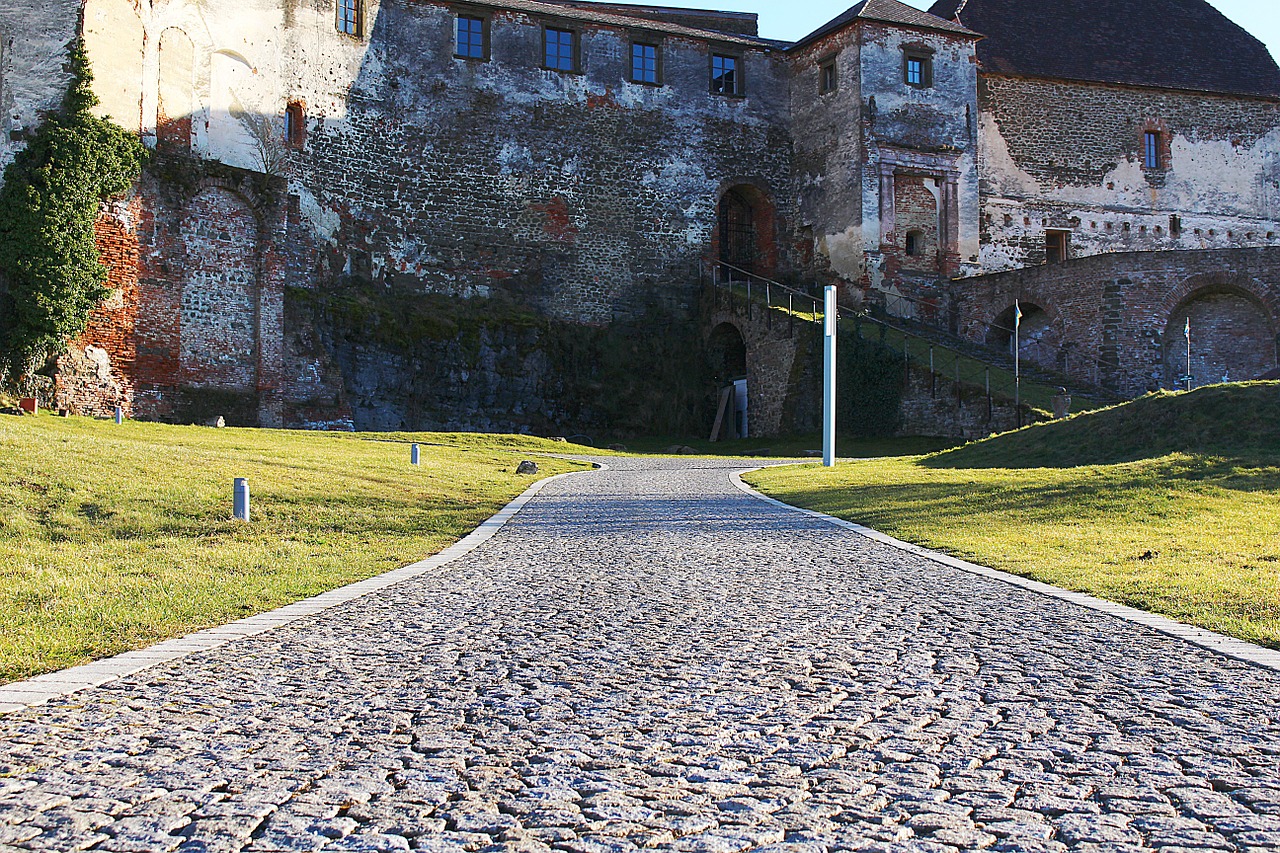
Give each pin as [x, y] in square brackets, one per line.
[1170, 504]
[1238, 421]
[112, 538]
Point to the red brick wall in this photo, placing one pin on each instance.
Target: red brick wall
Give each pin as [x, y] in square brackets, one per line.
[94, 376]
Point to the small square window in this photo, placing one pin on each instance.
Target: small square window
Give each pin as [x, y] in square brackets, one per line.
[918, 70]
[472, 41]
[1151, 150]
[829, 80]
[726, 76]
[560, 49]
[644, 64]
[349, 18]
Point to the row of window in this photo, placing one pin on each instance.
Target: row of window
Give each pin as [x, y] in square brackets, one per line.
[561, 51]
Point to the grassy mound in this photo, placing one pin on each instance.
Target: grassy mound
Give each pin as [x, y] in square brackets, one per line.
[1238, 421]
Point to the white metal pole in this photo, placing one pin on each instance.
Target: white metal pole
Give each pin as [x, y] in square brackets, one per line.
[415, 455]
[1188, 327]
[829, 379]
[1017, 362]
[119, 415]
[241, 499]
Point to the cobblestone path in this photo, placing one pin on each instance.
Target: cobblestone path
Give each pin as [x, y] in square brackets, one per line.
[646, 657]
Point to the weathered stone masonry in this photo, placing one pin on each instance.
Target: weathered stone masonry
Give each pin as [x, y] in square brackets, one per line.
[363, 228]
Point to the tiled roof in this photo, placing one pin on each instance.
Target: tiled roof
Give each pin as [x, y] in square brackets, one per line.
[1172, 44]
[738, 23]
[630, 21]
[891, 12]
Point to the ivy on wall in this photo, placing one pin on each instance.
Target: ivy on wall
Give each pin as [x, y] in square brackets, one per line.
[51, 277]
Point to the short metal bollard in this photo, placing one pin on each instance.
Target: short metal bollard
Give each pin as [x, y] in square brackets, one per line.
[242, 499]
[415, 455]
[119, 415]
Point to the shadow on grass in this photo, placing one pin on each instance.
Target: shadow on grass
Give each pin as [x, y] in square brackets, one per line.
[1238, 422]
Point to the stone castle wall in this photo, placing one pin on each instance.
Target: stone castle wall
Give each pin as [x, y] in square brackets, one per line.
[1119, 319]
[1066, 156]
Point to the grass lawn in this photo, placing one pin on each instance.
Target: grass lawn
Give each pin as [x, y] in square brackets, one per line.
[1170, 504]
[113, 538]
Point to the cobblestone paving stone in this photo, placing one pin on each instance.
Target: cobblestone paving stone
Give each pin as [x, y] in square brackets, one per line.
[646, 657]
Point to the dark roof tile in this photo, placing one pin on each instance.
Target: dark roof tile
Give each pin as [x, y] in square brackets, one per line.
[1171, 44]
[890, 12]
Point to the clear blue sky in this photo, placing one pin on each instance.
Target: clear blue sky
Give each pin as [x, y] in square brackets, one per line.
[793, 19]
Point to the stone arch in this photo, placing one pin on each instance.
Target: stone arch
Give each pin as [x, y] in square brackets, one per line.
[1233, 337]
[727, 351]
[746, 234]
[728, 363]
[1040, 335]
[176, 103]
[113, 40]
[218, 323]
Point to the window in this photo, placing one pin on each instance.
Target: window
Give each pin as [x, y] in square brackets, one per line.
[644, 64]
[829, 81]
[1175, 225]
[918, 69]
[1151, 150]
[295, 125]
[915, 243]
[560, 49]
[1055, 246]
[726, 78]
[473, 41]
[349, 17]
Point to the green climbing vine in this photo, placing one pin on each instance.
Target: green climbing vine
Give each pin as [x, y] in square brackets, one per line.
[50, 273]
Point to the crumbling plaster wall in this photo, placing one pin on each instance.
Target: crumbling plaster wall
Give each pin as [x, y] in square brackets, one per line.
[829, 154]
[1069, 156]
[580, 193]
[929, 132]
[33, 67]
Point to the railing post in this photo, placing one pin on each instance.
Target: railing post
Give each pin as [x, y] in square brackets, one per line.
[959, 400]
[768, 307]
[791, 318]
[933, 377]
[989, 407]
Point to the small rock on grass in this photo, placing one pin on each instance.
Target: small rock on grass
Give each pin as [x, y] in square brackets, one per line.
[527, 467]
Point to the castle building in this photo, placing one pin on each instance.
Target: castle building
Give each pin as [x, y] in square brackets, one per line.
[496, 214]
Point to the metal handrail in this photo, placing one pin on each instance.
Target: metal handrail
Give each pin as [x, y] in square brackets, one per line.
[860, 316]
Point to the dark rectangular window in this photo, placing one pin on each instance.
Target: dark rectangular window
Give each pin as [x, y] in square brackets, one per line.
[349, 17]
[559, 49]
[1151, 152]
[1056, 246]
[295, 125]
[726, 78]
[471, 37]
[829, 81]
[917, 69]
[644, 63]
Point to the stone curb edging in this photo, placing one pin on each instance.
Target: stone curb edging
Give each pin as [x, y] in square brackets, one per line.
[1228, 646]
[41, 688]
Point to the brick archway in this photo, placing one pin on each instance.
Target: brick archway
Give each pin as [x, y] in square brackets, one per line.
[1232, 337]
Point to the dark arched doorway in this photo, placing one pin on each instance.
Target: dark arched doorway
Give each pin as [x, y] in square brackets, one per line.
[745, 238]
[727, 354]
[1039, 342]
[1233, 339]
